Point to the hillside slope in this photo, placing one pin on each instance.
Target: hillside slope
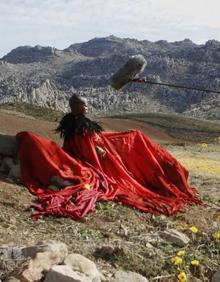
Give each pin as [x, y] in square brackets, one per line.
[47, 76]
[131, 238]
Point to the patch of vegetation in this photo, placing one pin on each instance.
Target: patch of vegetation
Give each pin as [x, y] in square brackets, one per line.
[87, 232]
[132, 237]
[179, 126]
[206, 198]
[34, 111]
[105, 207]
[176, 125]
[199, 258]
[131, 261]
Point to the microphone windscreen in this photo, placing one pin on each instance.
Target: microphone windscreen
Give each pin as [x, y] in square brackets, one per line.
[134, 66]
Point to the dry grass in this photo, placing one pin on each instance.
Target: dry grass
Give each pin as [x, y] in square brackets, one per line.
[200, 157]
[132, 237]
[180, 127]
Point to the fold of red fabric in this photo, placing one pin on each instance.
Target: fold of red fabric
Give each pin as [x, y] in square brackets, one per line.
[134, 171]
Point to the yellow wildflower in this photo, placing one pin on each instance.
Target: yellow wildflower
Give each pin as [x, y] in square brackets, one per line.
[181, 253]
[204, 145]
[177, 260]
[216, 235]
[87, 186]
[195, 262]
[182, 276]
[194, 229]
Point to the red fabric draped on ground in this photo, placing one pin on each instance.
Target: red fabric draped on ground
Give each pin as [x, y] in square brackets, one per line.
[134, 171]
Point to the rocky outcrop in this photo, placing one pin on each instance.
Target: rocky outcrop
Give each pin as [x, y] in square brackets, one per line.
[47, 76]
[28, 54]
[50, 262]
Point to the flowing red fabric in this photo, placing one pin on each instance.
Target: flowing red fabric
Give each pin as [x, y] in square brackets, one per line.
[134, 171]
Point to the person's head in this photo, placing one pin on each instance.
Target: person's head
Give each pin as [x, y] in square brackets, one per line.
[78, 105]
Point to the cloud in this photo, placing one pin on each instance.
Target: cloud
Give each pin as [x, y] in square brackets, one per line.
[62, 22]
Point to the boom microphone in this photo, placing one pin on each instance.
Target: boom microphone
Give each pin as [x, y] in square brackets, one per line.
[134, 66]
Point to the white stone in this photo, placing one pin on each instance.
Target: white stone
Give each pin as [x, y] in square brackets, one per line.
[64, 273]
[81, 264]
[216, 276]
[43, 262]
[35, 268]
[13, 279]
[127, 276]
[175, 237]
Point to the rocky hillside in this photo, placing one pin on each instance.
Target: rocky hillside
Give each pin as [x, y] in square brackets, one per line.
[47, 76]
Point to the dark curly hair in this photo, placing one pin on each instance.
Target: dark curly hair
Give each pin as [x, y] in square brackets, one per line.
[76, 124]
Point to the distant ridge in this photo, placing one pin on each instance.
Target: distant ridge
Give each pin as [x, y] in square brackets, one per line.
[47, 76]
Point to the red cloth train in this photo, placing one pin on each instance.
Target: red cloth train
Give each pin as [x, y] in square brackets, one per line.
[134, 171]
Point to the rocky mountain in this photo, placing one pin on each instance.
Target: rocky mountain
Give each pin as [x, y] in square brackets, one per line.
[47, 76]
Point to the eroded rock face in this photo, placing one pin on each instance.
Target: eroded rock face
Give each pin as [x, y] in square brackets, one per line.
[47, 77]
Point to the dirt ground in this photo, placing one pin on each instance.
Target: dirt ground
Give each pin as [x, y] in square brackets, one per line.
[12, 122]
[132, 235]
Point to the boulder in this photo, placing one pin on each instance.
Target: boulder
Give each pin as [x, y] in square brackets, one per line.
[83, 265]
[64, 273]
[128, 276]
[42, 258]
[8, 145]
[34, 269]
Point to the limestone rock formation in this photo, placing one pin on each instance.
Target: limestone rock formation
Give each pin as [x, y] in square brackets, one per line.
[47, 77]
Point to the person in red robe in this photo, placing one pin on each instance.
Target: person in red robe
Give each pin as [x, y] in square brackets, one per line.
[125, 167]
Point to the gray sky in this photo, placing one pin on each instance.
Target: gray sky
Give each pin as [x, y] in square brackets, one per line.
[60, 23]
